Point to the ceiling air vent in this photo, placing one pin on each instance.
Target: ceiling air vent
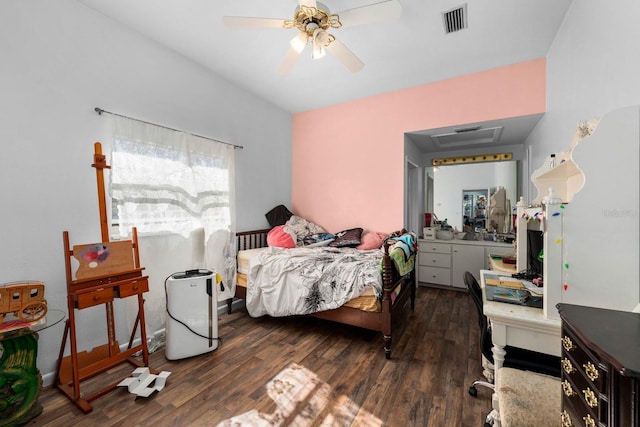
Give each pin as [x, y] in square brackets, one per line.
[467, 137]
[455, 19]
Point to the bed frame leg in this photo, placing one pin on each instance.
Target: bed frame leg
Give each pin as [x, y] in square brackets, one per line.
[387, 346]
[413, 290]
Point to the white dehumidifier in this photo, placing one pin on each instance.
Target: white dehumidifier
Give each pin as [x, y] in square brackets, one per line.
[192, 314]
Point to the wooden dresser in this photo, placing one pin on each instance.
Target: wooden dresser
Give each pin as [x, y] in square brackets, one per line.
[600, 366]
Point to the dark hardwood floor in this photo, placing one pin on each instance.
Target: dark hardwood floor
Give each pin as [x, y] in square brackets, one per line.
[435, 357]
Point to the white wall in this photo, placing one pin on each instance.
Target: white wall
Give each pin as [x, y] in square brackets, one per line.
[414, 177]
[59, 60]
[592, 69]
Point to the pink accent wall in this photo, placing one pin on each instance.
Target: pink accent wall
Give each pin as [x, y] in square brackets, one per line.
[348, 159]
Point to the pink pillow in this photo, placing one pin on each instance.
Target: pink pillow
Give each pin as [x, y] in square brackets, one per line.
[371, 240]
[281, 236]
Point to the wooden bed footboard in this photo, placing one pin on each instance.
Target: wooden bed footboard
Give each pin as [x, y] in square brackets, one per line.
[382, 321]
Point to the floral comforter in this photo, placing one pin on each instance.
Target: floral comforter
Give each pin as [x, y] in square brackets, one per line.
[285, 282]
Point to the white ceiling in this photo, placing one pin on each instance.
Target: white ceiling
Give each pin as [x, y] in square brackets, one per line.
[397, 54]
[463, 137]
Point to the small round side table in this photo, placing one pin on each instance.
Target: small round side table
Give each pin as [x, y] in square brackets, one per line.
[20, 378]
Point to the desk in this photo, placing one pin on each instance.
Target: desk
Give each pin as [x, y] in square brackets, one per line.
[499, 265]
[21, 378]
[518, 326]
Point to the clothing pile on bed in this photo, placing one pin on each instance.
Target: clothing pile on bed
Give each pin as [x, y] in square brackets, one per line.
[402, 250]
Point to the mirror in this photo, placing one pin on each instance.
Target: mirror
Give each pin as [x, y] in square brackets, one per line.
[474, 209]
[451, 183]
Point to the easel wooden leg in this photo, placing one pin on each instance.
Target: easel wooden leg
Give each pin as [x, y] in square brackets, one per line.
[143, 331]
[57, 380]
[111, 330]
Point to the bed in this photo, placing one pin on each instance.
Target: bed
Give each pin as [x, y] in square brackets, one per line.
[367, 311]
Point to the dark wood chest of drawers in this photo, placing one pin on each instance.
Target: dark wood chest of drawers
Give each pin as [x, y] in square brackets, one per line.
[600, 367]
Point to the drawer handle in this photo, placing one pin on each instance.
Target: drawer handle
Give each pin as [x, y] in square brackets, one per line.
[566, 387]
[567, 343]
[567, 366]
[590, 397]
[566, 419]
[591, 371]
[96, 297]
[588, 421]
[135, 288]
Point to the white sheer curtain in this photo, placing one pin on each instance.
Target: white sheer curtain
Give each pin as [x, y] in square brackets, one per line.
[178, 190]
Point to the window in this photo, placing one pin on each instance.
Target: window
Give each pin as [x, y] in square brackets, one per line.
[168, 181]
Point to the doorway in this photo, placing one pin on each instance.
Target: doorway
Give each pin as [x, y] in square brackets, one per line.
[413, 211]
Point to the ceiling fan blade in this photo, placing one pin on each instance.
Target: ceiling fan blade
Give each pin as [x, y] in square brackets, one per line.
[289, 60]
[344, 55]
[382, 11]
[248, 22]
[308, 3]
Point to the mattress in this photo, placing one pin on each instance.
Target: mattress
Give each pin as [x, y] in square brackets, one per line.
[365, 302]
[244, 256]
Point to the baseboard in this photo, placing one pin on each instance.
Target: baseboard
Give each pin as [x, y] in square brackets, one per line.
[436, 286]
[49, 378]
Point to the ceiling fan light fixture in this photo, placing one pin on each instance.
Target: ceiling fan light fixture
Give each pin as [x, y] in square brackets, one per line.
[314, 21]
[318, 51]
[299, 42]
[321, 37]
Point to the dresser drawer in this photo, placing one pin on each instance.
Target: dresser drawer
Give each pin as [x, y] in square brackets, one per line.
[133, 288]
[569, 418]
[438, 276]
[583, 383]
[435, 260]
[438, 248]
[97, 297]
[583, 399]
[587, 365]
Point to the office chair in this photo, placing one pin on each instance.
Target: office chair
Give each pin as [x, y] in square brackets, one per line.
[517, 358]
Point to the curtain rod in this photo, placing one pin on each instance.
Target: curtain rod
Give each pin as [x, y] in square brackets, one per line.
[100, 111]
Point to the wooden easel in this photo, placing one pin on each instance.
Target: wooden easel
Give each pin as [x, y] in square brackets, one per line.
[107, 270]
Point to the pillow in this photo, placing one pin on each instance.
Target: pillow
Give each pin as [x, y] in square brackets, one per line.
[302, 227]
[347, 238]
[320, 243]
[317, 238]
[281, 236]
[371, 240]
[278, 215]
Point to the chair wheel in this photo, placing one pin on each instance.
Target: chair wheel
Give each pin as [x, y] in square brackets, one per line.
[488, 425]
[473, 391]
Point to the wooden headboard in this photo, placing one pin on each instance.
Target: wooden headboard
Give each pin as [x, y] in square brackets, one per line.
[251, 239]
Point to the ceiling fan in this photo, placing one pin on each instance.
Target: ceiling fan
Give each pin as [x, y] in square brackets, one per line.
[314, 20]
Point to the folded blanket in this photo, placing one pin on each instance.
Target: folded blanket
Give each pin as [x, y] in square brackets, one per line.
[402, 250]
